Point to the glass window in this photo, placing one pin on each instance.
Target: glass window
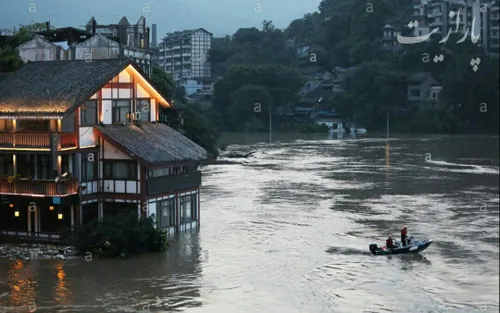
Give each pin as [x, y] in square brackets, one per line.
[188, 208]
[6, 125]
[159, 172]
[68, 123]
[33, 126]
[6, 167]
[89, 168]
[120, 110]
[88, 113]
[166, 213]
[126, 170]
[143, 109]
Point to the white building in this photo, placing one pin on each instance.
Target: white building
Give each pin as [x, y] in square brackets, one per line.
[432, 14]
[184, 55]
[94, 47]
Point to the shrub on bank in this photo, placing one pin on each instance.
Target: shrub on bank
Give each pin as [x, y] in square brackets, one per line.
[119, 235]
[314, 128]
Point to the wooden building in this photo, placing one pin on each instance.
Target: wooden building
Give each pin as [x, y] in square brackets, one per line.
[80, 140]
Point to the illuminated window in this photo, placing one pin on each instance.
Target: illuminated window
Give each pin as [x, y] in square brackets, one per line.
[88, 113]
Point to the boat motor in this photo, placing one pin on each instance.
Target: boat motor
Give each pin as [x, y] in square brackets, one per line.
[373, 248]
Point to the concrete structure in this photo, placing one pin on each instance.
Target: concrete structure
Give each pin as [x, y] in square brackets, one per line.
[490, 28]
[154, 37]
[82, 140]
[420, 87]
[184, 55]
[130, 35]
[435, 14]
[76, 44]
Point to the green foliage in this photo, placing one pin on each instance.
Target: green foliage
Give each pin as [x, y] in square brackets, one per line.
[348, 33]
[9, 58]
[197, 127]
[120, 234]
[313, 128]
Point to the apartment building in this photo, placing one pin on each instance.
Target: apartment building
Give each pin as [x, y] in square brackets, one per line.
[184, 55]
[435, 14]
[82, 140]
[490, 28]
[96, 42]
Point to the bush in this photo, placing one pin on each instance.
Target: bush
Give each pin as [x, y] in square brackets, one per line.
[123, 234]
[314, 128]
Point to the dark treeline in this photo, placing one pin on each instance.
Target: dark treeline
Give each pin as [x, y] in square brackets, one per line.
[254, 66]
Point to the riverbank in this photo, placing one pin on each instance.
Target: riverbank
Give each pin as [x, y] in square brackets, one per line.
[36, 251]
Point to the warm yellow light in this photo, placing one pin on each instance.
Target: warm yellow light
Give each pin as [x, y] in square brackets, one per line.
[144, 84]
[11, 205]
[91, 146]
[59, 162]
[51, 208]
[59, 216]
[25, 149]
[16, 214]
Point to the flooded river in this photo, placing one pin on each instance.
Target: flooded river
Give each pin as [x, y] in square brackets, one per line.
[288, 230]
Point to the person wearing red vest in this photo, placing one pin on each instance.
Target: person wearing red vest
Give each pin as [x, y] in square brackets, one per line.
[389, 243]
[404, 234]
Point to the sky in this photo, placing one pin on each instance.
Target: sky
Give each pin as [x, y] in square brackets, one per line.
[220, 17]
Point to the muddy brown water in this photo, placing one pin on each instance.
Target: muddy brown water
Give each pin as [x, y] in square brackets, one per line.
[288, 230]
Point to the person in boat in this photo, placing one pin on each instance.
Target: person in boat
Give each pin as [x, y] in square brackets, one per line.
[389, 243]
[404, 235]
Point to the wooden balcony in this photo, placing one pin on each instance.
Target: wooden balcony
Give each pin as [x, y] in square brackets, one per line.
[164, 184]
[39, 187]
[34, 140]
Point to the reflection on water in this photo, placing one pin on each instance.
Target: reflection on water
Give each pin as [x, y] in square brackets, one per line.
[288, 230]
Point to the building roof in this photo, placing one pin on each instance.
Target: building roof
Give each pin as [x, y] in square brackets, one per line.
[152, 143]
[57, 87]
[419, 77]
[4, 76]
[183, 33]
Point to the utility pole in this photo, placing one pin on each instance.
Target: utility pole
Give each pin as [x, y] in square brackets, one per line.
[387, 126]
[270, 126]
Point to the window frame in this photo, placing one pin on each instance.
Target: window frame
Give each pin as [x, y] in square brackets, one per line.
[83, 115]
[8, 126]
[139, 106]
[115, 108]
[131, 170]
[192, 209]
[170, 204]
[84, 165]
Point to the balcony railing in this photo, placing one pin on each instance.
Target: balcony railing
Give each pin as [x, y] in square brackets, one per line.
[38, 187]
[34, 140]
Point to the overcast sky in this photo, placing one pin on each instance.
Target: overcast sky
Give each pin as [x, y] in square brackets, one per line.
[220, 17]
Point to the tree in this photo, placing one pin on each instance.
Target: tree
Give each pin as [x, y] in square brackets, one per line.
[196, 126]
[9, 57]
[247, 103]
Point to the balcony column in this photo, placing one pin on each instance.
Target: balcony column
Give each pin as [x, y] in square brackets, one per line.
[70, 164]
[100, 210]
[35, 163]
[14, 164]
[72, 213]
[36, 217]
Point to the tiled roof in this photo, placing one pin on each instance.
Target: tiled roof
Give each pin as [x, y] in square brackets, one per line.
[183, 33]
[56, 86]
[419, 77]
[153, 143]
[4, 76]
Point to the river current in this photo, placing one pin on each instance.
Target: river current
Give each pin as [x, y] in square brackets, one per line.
[287, 230]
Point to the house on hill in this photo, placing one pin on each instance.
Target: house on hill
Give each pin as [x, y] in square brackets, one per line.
[421, 87]
[81, 140]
